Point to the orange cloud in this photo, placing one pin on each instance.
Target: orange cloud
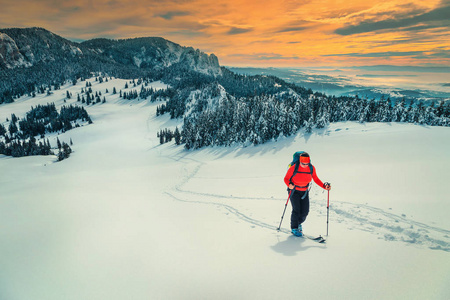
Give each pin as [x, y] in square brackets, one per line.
[258, 33]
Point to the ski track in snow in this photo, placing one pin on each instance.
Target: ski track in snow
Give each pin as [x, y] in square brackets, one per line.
[234, 211]
[391, 227]
[386, 225]
[178, 193]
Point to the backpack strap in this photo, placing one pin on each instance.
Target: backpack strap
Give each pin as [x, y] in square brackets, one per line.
[295, 173]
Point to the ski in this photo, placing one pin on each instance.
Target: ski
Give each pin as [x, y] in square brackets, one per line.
[318, 239]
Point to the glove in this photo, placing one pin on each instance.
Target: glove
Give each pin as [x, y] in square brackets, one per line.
[327, 186]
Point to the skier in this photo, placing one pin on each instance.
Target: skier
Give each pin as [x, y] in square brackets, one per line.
[298, 179]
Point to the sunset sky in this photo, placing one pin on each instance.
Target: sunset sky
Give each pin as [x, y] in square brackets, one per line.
[262, 33]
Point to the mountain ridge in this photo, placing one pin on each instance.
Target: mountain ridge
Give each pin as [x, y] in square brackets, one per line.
[25, 47]
[34, 59]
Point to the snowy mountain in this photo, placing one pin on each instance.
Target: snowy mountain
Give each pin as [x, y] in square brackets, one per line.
[219, 107]
[127, 218]
[30, 46]
[156, 53]
[33, 58]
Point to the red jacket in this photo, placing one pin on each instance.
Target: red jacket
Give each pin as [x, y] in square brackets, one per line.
[301, 180]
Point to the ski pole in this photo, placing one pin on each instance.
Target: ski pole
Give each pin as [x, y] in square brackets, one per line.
[289, 197]
[328, 209]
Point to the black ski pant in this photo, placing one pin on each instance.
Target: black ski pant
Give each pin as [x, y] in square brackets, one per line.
[300, 207]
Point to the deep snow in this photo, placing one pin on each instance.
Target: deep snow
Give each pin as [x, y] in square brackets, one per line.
[127, 218]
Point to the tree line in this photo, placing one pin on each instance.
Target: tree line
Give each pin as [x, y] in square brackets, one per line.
[214, 118]
[19, 139]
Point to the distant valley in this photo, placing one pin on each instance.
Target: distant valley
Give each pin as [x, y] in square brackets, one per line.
[371, 82]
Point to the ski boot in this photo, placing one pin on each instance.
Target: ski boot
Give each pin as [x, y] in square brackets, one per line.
[296, 232]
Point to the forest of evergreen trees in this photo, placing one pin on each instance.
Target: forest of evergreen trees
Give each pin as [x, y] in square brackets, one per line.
[260, 118]
[228, 109]
[19, 139]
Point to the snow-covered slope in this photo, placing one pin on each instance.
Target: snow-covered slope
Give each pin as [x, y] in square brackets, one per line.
[127, 218]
